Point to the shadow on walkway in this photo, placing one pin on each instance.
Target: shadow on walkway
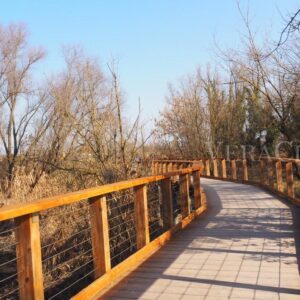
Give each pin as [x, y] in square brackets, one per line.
[243, 245]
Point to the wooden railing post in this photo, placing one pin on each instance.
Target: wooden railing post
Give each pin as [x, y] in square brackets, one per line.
[201, 167]
[290, 179]
[224, 171]
[161, 167]
[233, 169]
[245, 170]
[184, 195]
[270, 173]
[278, 166]
[207, 165]
[216, 173]
[141, 216]
[100, 236]
[170, 167]
[164, 167]
[28, 250]
[167, 203]
[263, 179]
[155, 168]
[197, 189]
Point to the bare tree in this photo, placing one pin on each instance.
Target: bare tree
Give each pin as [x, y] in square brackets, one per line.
[19, 102]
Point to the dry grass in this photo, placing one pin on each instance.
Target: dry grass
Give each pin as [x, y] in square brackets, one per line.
[66, 235]
[48, 185]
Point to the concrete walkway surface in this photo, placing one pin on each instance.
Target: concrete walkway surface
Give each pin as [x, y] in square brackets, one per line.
[246, 246]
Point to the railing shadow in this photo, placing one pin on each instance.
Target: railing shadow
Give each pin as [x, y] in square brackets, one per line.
[220, 223]
[157, 259]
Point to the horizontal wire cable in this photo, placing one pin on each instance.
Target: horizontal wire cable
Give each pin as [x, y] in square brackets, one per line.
[8, 246]
[118, 197]
[78, 280]
[65, 250]
[156, 230]
[10, 261]
[120, 215]
[70, 236]
[9, 293]
[9, 230]
[122, 210]
[68, 274]
[155, 220]
[64, 213]
[119, 245]
[132, 246]
[125, 222]
[119, 234]
[67, 261]
[123, 205]
[14, 275]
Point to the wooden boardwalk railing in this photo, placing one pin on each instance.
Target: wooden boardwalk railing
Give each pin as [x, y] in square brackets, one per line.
[273, 174]
[124, 224]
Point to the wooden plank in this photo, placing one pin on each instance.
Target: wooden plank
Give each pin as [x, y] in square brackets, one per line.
[100, 236]
[29, 262]
[207, 165]
[270, 173]
[278, 166]
[167, 203]
[141, 216]
[224, 171]
[197, 189]
[290, 180]
[216, 172]
[245, 170]
[184, 195]
[16, 210]
[233, 169]
[117, 273]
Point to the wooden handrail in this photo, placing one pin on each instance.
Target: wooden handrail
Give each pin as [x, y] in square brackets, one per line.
[28, 244]
[17, 210]
[295, 160]
[270, 167]
[26, 216]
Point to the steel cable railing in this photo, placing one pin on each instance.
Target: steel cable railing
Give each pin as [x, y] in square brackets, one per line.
[71, 240]
[9, 286]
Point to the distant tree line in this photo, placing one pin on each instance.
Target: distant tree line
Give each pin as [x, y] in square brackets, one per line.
[255, 90]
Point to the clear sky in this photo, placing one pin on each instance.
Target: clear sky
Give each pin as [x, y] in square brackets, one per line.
[155, 42]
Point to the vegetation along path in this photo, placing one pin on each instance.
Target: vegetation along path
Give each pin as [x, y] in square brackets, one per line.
[246, 246]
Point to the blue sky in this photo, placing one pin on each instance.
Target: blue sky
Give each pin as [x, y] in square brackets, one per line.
[155, 42]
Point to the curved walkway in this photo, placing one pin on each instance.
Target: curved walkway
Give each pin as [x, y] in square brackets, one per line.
[245, 247]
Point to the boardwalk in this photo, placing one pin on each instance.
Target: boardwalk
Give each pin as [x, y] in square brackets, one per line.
[244, 247]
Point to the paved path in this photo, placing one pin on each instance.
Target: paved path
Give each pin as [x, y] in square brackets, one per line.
[244, 247]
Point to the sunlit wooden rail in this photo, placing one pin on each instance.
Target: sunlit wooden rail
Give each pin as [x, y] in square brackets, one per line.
[280, 176]
[118, 225]
[25, 262]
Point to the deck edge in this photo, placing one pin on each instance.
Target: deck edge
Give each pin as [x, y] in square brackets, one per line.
[101, 285]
